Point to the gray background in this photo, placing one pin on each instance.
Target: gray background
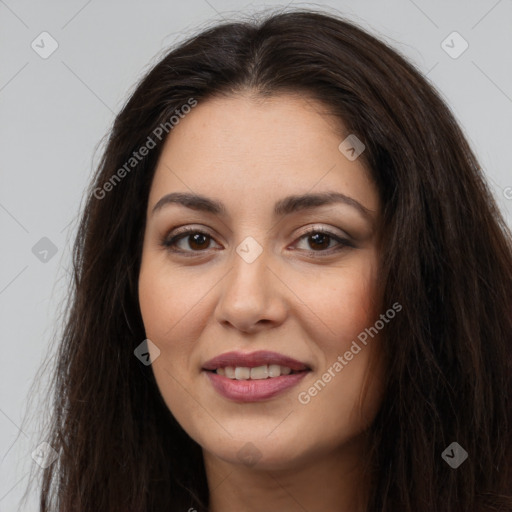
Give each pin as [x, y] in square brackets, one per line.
[55, 112]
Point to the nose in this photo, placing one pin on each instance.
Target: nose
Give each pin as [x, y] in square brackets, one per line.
[252, 297]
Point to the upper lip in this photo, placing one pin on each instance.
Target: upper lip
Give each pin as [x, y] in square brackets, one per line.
[253, 359]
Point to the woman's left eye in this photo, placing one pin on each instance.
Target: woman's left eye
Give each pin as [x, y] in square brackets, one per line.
[319, 240]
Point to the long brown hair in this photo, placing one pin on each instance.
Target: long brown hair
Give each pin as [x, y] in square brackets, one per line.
[446, 258]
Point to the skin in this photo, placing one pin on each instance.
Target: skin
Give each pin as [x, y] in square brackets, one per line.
[249, 153]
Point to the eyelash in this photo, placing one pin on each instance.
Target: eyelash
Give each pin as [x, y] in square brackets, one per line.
[170, 243]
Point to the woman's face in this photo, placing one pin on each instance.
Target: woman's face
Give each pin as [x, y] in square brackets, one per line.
[258, 273]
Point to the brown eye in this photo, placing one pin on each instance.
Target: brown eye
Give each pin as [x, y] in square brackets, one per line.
[319, 241]
[188, 241]
[198, 241]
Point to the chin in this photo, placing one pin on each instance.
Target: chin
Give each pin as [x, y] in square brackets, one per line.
[257, 455]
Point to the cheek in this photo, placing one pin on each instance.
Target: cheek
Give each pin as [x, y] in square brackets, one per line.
[348, 309]
[170, 303]
[345, 301]
[347, 306]
[170, 307]
[175, 307]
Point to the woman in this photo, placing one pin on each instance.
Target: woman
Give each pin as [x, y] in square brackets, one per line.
[292, 291]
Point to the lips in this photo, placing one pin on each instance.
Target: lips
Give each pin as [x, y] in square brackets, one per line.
[231, 375]
[253, 360]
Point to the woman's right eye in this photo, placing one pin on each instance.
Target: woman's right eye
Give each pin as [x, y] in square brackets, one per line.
[194, 239]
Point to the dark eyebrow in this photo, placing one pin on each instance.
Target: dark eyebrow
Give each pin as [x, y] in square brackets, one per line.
[293, 204]
[286, 206]
[193, 201]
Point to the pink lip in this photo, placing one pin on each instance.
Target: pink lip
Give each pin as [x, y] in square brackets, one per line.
[258, 389]
[253, 390]
[253, 360]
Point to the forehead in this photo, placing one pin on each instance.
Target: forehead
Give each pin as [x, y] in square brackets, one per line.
[258, 149]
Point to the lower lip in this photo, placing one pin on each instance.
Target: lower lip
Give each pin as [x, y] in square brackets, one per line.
[253, 390]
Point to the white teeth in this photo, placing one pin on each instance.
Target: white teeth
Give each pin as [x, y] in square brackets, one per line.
[274, 370]
[257, 373]
[260, 372]
[242, 373]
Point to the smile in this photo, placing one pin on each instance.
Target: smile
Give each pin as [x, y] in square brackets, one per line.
[255, 376]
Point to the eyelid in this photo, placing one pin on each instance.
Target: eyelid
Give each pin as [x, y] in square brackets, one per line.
[323, 229]
[189, 228]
